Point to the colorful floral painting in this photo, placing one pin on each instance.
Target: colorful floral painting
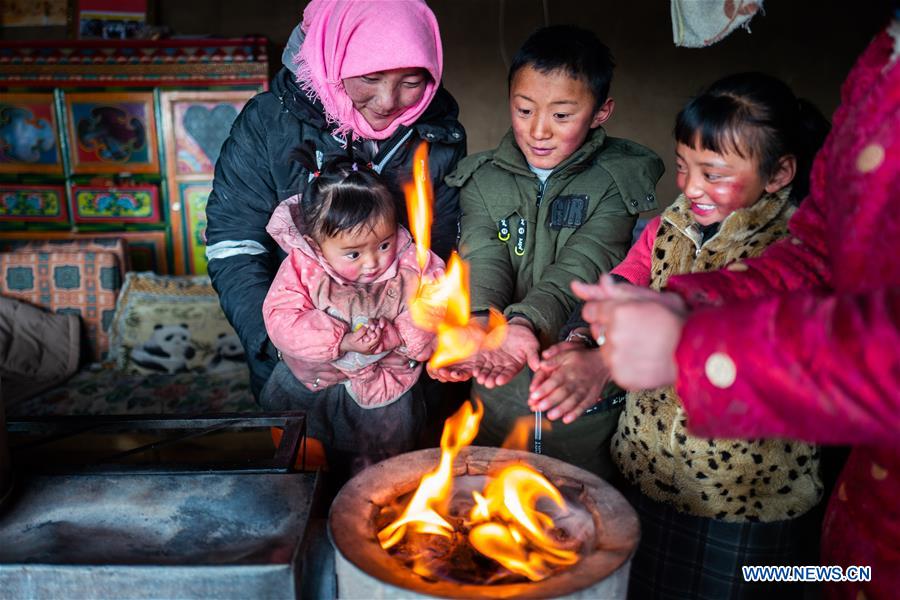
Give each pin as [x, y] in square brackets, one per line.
[29, 141]
[112, 133]
[33, 203]
[120, 204]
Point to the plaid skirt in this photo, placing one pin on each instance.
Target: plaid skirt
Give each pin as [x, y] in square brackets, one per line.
[682, 556]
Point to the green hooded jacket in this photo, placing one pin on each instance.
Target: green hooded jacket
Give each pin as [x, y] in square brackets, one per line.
[576, 226]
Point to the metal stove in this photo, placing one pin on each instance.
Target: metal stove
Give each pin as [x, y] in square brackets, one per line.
[130, 523]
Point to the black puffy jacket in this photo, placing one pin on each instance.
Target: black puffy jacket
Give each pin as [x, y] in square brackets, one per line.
[255, 172]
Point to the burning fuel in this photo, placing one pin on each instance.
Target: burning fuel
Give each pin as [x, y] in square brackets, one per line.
[505, 524]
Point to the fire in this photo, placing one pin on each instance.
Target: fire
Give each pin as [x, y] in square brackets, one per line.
[419, 200]
[504, 523]
[521, 432]
[510, 529]
[434, 489]
[444, 306]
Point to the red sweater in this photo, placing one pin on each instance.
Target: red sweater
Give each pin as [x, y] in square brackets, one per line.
[804, 341]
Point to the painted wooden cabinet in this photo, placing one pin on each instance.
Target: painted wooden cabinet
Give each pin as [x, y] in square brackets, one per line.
[120, 139]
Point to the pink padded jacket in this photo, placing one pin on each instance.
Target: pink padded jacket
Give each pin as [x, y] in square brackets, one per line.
[309, 309]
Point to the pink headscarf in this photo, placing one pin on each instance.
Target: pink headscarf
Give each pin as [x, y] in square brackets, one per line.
[349, 38]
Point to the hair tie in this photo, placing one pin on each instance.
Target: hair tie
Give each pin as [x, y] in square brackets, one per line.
[354, 166]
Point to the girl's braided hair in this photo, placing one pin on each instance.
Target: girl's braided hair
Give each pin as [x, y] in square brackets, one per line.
[343, 195]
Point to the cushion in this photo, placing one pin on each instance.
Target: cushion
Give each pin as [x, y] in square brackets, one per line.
[38, 349]
[172, 324]
[69, 277]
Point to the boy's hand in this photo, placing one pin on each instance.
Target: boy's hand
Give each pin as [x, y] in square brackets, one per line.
[568, 381]
[364, 340]
[520, 347]
[390, 336]
[458, 371]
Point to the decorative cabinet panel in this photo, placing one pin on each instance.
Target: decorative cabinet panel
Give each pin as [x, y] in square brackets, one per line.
[110, 132]
[131, 204]
[120, 139]
[195, 126]
[38, 203]
[29, 134]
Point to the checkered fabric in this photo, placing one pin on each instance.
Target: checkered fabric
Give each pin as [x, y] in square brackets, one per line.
[80, 277]
[682, 556]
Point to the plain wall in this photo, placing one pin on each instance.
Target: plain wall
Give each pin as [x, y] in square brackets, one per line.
[811, 44]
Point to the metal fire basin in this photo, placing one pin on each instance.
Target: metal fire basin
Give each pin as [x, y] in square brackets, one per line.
[365, 570]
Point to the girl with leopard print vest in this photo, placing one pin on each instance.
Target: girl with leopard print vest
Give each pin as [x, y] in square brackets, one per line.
[709, 506]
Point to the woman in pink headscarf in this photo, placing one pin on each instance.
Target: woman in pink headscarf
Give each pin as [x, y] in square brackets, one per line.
[359, 77]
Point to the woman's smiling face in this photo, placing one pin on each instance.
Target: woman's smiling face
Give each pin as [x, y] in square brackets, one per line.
[383, 96]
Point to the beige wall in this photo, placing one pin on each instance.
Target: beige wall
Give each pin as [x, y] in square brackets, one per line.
[809, 43]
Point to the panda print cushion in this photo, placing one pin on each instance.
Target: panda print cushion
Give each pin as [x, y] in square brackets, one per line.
[172, 324]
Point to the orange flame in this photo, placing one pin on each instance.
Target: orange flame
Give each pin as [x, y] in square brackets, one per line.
[419, 203]
[506, 524]
[520, 434]
[511, 530]
[434, 488]
[443, 306]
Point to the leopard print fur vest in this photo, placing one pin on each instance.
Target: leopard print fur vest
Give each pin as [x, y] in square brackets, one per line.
[732, 480]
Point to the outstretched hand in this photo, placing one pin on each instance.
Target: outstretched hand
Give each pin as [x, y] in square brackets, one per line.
[497, 367]
[458, 371]
[568, 381]
[640, 329]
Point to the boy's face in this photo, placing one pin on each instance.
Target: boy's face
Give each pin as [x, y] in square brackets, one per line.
[552, 114]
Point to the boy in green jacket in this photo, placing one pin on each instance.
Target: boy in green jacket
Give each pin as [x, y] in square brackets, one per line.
[555, 202]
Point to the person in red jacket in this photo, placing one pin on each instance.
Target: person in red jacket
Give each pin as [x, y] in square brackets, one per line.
[800, 342]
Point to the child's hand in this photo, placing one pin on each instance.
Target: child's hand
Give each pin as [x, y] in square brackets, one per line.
[458, 371]
[498, 367]
[568, 381]
[390, 336]
[364, 340]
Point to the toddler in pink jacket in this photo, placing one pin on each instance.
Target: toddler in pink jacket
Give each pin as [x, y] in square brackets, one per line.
[340, 302]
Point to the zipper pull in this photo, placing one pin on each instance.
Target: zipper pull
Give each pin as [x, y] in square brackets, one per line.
[503, 230]
[540, 195]
[520, 237]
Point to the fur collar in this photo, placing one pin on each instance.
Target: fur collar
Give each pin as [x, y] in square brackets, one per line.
[738, 226]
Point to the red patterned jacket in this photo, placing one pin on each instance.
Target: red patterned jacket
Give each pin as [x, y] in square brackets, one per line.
[804, 341]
